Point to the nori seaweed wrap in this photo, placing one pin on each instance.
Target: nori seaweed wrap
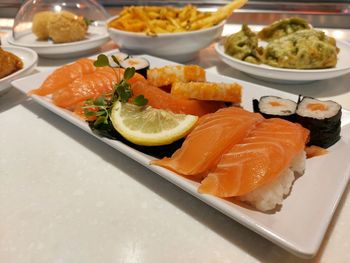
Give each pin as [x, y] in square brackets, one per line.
[275, 107]
[161, 151]
[322, 118]
[141, 65]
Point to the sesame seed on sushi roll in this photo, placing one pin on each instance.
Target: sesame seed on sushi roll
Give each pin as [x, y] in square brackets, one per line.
[275, 107]
[322, 118]
[141, 65]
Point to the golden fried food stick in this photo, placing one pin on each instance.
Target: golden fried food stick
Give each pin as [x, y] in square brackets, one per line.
[178, 73]
[208, 91]
[218, 16]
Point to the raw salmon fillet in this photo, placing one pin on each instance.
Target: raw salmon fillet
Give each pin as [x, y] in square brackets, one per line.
[64, 75]
[90, 86]
[214, 135]
[159, 99]
[257, 160]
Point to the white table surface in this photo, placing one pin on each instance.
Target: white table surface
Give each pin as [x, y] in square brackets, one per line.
[67, 197]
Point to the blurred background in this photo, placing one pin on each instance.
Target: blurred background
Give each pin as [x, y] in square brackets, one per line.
[320, 13]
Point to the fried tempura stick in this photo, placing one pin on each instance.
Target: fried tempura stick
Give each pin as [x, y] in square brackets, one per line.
[208, 91]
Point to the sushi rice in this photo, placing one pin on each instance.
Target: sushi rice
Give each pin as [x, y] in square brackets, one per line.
[270, 195]
[329, 109]
[275, 107]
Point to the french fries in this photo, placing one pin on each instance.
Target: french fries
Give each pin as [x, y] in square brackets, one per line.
[154, 20]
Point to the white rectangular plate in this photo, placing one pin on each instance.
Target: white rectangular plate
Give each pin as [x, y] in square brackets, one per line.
[299, 226]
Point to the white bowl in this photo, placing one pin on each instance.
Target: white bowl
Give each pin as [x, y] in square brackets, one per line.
[180, 47]
[29, 58]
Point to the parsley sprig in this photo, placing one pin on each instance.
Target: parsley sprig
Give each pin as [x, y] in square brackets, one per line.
[101, 106]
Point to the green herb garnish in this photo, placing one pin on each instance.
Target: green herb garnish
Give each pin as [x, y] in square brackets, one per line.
[102, 61]
[123, 88]
[129, 73]
[101, 106]
[116, 60]
[140, 100]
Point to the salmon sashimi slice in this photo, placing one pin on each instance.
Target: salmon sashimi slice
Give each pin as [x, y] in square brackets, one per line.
[90, 86]
[159, 99]
[64, 75]
[260, 158]
[214, 135]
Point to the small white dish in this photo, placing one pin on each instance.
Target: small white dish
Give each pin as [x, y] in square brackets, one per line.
[96, 36]
[301, 223]
[289, 76]
[29, 58]
[180, 47]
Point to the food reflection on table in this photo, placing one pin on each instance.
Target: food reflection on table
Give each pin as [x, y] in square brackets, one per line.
[291, 43]
[9, 63]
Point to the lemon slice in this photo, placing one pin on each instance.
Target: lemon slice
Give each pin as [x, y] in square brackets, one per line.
[149, 126]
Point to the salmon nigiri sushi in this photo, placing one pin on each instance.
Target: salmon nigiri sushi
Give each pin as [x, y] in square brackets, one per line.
[214, 135]
[260, 169]
[64, 75]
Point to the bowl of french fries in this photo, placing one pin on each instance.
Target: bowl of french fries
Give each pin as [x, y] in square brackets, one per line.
[168, 32]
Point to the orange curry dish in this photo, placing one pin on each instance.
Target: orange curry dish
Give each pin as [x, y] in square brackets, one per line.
[9, 63]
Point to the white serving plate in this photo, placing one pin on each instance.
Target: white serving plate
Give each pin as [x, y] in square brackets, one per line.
[289, 76]
[300, 225]
[29, 58]
[96, 36]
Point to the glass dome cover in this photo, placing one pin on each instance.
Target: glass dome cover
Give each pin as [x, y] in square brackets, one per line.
[90, 10]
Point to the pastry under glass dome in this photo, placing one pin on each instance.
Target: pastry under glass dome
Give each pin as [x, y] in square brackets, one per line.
[72, 28]
[89, 9]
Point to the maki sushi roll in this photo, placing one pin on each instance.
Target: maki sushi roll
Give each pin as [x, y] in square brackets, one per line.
[117, 58]
[275, 107]
[322, 118]
[141, 65]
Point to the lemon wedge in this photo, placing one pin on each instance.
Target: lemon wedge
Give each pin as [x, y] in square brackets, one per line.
[144, 125]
